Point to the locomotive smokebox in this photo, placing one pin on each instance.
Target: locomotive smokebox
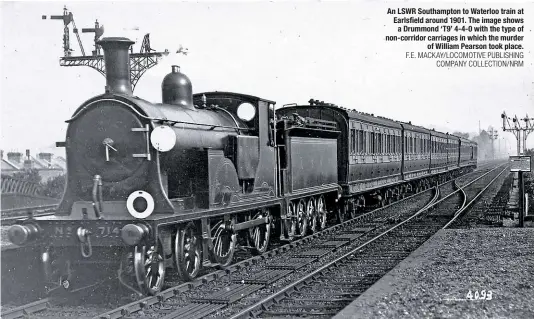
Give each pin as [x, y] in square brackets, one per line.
[176, 89]
[117, 59]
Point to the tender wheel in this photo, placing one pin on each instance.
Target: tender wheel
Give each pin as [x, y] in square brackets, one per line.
[354, 211]
[302, 219]
[342, 212]
[291, 223]
[223, 245]
[149, 267]
[258, 237]
[187, 251]
[321, 212]
[311, 215]
[382, 201]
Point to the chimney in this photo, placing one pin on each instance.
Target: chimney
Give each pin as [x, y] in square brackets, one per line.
[117, 61]
[14, 157]
[45, 157]
[28, 164]
[28, 161]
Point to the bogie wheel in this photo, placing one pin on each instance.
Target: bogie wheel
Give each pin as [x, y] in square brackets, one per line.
[259, 236]
[224, 242]
[302, 220]
[311, 215]
[320, 208]
[149, 267]
[187, 251]
[55, 268]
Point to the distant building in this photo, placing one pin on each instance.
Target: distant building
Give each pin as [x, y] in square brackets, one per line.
[48, 165]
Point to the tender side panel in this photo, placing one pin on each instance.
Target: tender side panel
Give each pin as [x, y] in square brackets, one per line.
[313, 162]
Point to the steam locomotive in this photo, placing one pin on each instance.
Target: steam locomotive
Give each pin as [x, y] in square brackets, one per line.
[179, 185]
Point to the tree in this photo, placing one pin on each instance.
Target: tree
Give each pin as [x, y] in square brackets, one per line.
[54, 187]
[28, 175]
[460, 134]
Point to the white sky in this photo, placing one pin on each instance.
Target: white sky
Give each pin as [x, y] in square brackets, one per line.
[287, 52]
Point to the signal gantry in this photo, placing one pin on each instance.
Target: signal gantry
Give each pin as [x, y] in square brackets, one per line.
[139, 62]
[517, 128]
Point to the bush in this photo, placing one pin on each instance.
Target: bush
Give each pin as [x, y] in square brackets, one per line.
[29, 175]
[54, 187]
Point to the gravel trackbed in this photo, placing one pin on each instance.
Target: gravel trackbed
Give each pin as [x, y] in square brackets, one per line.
[435, 280]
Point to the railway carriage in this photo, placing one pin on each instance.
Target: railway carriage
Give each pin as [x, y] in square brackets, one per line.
[453, 152]
[416, 151]
[179, 185]
[467, 152]
[438, 157]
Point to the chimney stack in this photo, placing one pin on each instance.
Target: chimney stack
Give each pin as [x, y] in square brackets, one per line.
[14, 157]
[28, 164]
[117, 61]
[45, 157]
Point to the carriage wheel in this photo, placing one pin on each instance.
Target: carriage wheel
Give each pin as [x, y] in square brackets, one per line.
[311, 215]
[223, 244]
[149, 267]
[187, 252]
[321, 212]
[302, 219]
[258, 237]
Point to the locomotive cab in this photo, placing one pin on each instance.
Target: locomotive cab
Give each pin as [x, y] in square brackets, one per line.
[251, 148]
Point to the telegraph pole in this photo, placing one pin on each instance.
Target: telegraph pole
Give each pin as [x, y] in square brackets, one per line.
[493, 135]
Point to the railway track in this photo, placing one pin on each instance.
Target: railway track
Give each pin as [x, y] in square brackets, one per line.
[327, 290]
[490, 209]
[216, 294]
[289, 258]
[11, 216]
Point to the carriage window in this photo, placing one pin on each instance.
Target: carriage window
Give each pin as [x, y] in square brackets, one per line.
[352, 141]
[360, 141]
[379, 143]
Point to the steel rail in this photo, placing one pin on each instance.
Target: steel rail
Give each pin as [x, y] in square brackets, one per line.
[27, 309]
[138, 305]
[170, 292]
[262, 304]
[29, 208]
[466, 206]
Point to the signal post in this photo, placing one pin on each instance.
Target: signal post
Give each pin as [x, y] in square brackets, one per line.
[520, 163]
